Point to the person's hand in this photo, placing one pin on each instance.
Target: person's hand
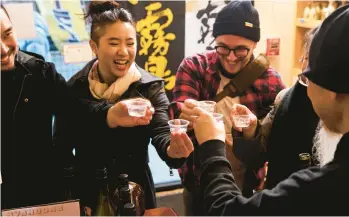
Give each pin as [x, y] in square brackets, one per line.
[206, 127]
[187, 111]
[180, 146]
[118, 116]
[88, 211]
[249, 131]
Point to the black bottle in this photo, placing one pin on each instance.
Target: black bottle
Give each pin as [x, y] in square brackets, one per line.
[124, 198]
[69, 183]
[136, 193]
[104, 205]
[129, 210]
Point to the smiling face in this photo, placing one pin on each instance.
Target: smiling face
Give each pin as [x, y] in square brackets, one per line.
[116, 49]
[231, 62]
[8, 42]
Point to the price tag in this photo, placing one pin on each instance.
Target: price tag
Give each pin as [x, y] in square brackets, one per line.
[77, 53]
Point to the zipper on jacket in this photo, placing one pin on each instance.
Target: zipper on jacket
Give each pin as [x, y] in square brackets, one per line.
[171, 171]
[19, 96]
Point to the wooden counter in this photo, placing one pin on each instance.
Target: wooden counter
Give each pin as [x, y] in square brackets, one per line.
[160, 211]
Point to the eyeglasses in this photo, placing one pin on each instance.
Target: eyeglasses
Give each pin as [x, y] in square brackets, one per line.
[303, 80]
[239, 51]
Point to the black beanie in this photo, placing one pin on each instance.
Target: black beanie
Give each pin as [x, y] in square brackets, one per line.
[328, 64]
[238, 18]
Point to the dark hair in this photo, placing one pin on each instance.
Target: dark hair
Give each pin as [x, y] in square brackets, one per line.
[4, 9]
[103, 13]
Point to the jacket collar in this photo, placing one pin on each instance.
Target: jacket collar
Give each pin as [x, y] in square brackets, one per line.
[145, 79]
[22, 58]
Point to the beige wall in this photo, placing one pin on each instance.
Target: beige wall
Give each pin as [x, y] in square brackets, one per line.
[277, 19]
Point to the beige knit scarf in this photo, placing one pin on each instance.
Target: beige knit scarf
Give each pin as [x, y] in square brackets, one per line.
[112, 92]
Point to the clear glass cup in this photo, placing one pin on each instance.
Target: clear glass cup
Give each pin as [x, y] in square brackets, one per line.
[178, 125]
[207, 105]
[241, 120]
[218, 117]
[137, 107]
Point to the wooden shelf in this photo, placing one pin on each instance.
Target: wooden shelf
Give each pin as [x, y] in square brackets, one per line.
[308, 24]
[302, 26]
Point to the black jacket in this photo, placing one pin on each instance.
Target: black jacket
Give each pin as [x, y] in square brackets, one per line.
[30, 163]
[313, 191]
[292, 131]
[122, 150]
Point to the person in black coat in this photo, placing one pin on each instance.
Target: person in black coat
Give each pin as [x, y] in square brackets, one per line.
[106, 84]
[311, 191]
[31, 93]
[270, 139]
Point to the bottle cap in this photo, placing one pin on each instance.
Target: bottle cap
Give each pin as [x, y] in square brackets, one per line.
[304, 156]
[123, 179]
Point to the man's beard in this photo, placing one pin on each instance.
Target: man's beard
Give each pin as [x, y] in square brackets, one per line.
[325, 144]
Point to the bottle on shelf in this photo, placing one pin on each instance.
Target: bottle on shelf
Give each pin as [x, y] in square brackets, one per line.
[306, 12]
[318, 11]
[124, 198]
[69, 183]
[129, 210]
[136, 193]
[312, 12]
[104, 205]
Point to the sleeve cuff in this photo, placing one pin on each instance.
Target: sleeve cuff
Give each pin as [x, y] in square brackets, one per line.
[104, 115]
[247, 151]
[211, 148]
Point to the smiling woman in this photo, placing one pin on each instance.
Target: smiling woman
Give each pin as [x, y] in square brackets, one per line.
[113, 40]
[105, 81]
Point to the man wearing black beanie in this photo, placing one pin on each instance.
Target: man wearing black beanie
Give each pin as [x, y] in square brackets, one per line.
[204, 76]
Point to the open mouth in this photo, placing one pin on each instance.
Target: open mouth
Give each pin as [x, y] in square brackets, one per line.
[121, 65]
[121, 62]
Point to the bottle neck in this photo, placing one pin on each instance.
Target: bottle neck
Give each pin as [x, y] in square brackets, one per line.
[103, 186]
[305, 164]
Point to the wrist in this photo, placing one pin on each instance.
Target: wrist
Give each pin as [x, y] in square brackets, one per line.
[250, 132]
[111, 118]
[168, 151]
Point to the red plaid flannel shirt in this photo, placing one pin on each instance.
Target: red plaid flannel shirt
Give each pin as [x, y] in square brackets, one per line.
[198, 78]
